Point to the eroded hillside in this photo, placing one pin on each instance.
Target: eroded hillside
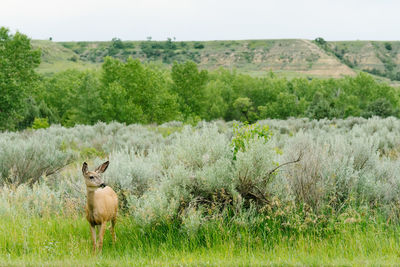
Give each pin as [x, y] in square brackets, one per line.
[289, 57]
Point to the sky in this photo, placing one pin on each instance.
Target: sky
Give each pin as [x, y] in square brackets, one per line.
[99, 20]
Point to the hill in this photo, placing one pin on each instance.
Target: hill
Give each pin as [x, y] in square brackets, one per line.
[379, 58]
[288, 57]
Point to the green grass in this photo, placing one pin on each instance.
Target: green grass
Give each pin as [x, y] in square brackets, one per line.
[58, 66]
[65, 241]
[56, 58]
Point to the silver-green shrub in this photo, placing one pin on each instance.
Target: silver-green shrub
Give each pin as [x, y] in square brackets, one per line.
[28, 156]
[190, 173]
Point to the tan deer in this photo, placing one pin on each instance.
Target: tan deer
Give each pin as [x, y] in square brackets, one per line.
[102, 203]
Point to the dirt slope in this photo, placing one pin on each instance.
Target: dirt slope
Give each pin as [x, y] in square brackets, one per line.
[290, 57]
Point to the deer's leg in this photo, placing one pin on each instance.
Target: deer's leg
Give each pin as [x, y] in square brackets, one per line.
[113, 221]
[93, 234]
[102, 231]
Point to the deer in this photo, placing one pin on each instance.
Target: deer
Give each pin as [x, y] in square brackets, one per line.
[101, 205]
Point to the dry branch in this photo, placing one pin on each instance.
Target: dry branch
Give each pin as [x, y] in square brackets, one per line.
[286, 163]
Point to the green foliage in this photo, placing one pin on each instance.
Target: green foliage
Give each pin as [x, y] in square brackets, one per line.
[198, 45]
[189, 85]
[156, 50]
[388, 46]
[119, 107]
[115, 47]
[216, 105]
[321, 108]
[88, 102]
[17, 76]
[132, 92]
[74, 58]
[72, 96]
[116, 43]
[244, 106]
[90, 153]
[286, 105]
[36, 110]
[320, 41]
[381, 107]
[40, 123]
[242, 135]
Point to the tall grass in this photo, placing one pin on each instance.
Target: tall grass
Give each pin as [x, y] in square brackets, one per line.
[63, 241]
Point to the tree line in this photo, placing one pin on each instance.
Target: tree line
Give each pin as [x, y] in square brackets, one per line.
[134, 92]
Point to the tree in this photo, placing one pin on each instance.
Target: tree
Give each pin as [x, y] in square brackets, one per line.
[321, 108]
[117, 43]
[286, 105]
[215, 105]
[88, 104]
[59, 92]
[198, 45]
[189, 84]
[380, 107]
[115, 46]
[245, 107]
[18, 61]
[35, 110]
[320, 41]
[133, 92]
[119, 106]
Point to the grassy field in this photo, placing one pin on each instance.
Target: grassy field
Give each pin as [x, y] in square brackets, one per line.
[56, 58]
[65, 241]
[204, 195]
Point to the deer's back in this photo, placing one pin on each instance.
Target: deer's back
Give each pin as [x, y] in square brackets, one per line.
[104, 206]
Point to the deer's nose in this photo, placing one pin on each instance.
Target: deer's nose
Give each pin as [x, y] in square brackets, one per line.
[103, 185]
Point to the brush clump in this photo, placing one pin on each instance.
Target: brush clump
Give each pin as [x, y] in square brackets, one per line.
[295, 173]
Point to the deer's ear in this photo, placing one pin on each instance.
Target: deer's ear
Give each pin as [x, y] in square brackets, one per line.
[103, 167]
[84, 168]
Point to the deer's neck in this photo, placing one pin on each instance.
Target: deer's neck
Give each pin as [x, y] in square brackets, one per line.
[90, 198]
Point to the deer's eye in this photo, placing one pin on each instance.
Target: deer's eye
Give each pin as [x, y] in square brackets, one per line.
[91, 177]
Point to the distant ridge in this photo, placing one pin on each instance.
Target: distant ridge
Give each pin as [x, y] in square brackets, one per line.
[288, 57]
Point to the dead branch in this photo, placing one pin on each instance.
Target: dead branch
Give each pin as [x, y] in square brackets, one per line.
[286, 163]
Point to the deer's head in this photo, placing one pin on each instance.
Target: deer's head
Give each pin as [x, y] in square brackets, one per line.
[93, 179]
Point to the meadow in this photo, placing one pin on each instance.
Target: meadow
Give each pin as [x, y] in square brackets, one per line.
[278, 192]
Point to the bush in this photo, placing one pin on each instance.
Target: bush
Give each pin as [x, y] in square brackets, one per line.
[320, 41]
[242, 135]
[380, 107]
[40, 123]
[190, 176]
[198, 45]
[24, 159]
[74, 58]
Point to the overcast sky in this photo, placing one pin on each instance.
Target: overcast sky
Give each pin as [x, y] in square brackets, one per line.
[91, 20]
